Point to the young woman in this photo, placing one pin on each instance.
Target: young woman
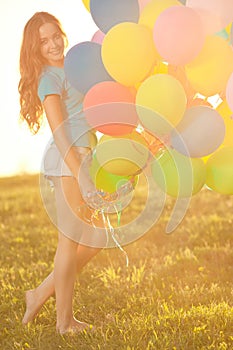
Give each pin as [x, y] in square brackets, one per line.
[43, 88]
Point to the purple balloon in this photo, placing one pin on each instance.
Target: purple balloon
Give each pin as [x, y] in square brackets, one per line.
[84, 67]
[98, 37]
[200, 132]
[108, 13]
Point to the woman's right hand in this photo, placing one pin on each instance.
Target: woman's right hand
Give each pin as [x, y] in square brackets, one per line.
[86, 184]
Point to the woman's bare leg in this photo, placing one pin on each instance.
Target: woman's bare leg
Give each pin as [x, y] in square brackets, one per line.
[36, 298]
[64, 280]
[80, 254]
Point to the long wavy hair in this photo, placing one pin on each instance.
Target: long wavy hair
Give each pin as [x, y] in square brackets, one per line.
[30, 65]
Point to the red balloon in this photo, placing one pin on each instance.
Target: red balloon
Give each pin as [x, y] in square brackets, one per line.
[110, 108]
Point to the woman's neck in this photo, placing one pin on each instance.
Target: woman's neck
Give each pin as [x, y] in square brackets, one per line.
[59, 64]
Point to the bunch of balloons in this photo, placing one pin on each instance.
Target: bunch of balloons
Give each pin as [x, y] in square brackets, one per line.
[161, 68]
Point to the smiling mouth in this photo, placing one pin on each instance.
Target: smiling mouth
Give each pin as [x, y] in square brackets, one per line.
[55, 52]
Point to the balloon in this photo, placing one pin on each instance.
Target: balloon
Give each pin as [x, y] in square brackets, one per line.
[124, 156]
[178, 35]
[86, 4]
[110, 108]
[209, 72]
[153, 9]
[219, 171]
[231, 35]
[84, 67]
[177, 175]
[128, 53]
[229, 91]
[225, 112]
[105, 181]
[107, 13]
[178, 72]
[161, 103]
[161, 67]
[98, 37]
[200, 132]
[121, 189]
[215, 14]
[93, 140]
[154, 144]
[142, 4]
[197, 101]
[223, 34]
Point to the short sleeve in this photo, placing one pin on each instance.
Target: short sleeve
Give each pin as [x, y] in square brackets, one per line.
[49, 84]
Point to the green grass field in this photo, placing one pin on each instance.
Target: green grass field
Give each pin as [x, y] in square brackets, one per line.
[176, 293]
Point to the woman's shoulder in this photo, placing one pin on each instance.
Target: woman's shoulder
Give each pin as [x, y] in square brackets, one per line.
[53, 72]
[51, 81]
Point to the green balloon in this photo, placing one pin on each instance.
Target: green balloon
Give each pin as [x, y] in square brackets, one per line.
[219, 171]
[178, 175]
[104, 180]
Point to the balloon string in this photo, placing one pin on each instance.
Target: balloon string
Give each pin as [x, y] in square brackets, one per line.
[110, 229]
[94, 216]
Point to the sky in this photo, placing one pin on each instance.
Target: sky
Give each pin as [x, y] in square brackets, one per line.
[20, 151]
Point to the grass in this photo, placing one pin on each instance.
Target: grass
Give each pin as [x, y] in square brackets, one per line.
[177, 292]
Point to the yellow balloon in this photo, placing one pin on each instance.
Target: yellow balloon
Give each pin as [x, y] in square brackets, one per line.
[93, 139]
[219, 171]
[209, 72]
[228, 28]
[123, 156]
[86, 4]
[104, 180]
[224, 110]
[153, 9]
[178, 175]
[128, 53]
[161, 103]
[160, 67]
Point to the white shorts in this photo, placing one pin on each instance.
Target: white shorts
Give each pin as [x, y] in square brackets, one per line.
[54, 165]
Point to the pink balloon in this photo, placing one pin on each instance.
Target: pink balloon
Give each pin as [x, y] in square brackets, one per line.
[215, 14]
[229, 92]
[142, 4]
[178, 35]
[98, 37]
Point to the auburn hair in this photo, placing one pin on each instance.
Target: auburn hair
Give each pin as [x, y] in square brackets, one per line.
[30, 66]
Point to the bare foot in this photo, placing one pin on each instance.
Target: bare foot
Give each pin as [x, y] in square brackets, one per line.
[32, 306]
[75, 327]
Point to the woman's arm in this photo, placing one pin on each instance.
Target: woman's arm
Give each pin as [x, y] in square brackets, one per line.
[53, 111]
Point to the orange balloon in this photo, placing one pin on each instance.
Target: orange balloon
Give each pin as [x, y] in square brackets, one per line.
[178, 72]
[198, 102]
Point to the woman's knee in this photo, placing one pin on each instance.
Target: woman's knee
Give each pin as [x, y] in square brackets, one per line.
[66, 242]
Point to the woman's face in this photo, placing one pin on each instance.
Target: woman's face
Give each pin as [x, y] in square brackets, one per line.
[51, 44]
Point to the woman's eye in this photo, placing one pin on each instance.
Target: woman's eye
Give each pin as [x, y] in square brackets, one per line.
[43, 42]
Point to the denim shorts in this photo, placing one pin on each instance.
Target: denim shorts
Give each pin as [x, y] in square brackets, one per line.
[54, 165]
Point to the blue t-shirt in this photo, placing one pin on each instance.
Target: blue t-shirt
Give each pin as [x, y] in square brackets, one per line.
[53, 81]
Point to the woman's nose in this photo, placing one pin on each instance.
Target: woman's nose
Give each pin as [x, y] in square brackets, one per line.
[53, 43]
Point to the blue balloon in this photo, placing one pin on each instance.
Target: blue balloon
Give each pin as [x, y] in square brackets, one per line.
[108, 13]
[84, 67]
[231, 34]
